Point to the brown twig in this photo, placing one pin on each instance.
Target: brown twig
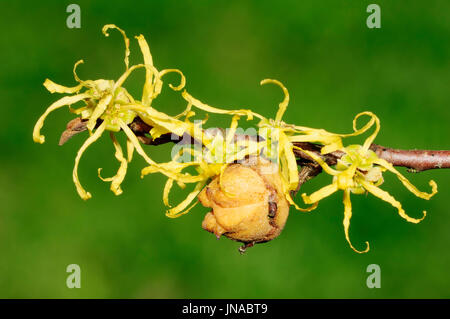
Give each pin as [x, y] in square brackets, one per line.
[415, 160]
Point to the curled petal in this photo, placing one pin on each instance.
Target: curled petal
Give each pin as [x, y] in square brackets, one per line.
[133, 139]
[67, 100]
[182, 208]
[291, 202]
[250, 148]
[167, 189]
[145, 49]
[157, 131]
[406, 182]
[346, 222]
[105, 179]
[52, 87]
[98, 111]
[378, 192]
[232, 129]
[319, 160]
[79, 110]
[198, 104]
[291, 163]
[331, 142]
[150, 71]
[75, 75]
[283, 105]
[172, 212]
[373, 119]
[368, 125]
[182, 81]
[130, 150]
[121, 172]
[186, 113]
[320, 194]
[91, 139]
[126, 74]
[173, 170]
[157, 87]
[162, 121]
[125, 39]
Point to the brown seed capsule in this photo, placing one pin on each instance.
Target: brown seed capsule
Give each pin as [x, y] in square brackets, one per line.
[248, 204]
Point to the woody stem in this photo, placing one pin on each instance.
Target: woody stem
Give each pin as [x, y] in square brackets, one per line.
[415, 160]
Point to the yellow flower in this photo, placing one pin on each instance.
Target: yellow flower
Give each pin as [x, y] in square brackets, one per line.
[109, 107]
[286, 134]
[360, 171]
[278, 138]
[109, 103]
[209, 160]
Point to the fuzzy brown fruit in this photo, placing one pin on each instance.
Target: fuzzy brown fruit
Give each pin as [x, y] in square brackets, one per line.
[248, 204]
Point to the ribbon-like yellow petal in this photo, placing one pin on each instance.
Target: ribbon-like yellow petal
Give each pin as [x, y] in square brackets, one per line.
[166, 192]
[290, 161]
[320, 194]
[283, 105]
[319, 160]
[180, 209]
[74, 71]
[130, 150]
[173, 170]
[182, 81]
[98, 111]
[145, 49]
[346, 222]
[126, 74]
[125, 39]
[371, 138]
[186, 113]
[205, 107]
[378, 192]
[231, 131]
[133, 139]
[91, 139]
[291, 202]
[148, 89]
[67, 100]
[165, 122]
[406, 182]
[117, 179]
[52, 87]
[331, 141]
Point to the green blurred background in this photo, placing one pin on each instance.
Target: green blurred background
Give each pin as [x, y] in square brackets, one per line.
[333, 66]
